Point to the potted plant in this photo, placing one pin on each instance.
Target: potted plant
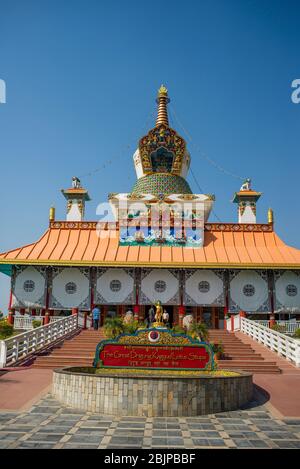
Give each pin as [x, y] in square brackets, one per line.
[218, 350]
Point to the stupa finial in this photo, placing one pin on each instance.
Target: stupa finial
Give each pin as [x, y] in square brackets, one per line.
[162, 101]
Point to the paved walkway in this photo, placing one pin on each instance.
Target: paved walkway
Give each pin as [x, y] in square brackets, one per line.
[20, 389]
[48, 424]
[283, 389]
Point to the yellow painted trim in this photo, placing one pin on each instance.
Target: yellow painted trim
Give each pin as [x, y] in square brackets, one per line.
[194, 265]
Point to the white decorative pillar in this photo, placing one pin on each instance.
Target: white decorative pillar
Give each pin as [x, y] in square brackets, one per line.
[246, 199]
[76, 197]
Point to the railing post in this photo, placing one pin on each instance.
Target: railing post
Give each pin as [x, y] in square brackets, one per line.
[297, 358]
[85, 319]
[2, 353]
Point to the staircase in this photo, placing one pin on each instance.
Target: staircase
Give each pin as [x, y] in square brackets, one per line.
[240, 355]
[78, 351]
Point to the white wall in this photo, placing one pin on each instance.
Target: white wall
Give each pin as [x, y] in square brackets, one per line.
[4, 293]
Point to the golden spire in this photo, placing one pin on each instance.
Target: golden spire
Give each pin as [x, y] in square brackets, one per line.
[52, 214]
[270, 216]
[162, 101]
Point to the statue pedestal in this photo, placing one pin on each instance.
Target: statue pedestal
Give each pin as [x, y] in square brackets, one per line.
[159, 325]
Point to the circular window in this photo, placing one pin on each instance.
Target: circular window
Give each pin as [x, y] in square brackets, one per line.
[160, 286]
[115, 285]
[291, 290]
[71, 288]
[29, 286]
[204, 286]
[249, 290]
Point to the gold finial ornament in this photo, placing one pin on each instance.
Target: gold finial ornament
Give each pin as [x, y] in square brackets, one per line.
[52, 214]
[162, 101]
[270, 216]
[162, 91]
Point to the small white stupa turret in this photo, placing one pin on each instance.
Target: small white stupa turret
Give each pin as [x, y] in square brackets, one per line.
[246, 199]
[76, 197]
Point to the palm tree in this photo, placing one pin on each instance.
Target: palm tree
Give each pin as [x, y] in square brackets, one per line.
[113, 327]
[199, 330]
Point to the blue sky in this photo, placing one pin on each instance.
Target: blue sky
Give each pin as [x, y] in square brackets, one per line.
[81, 81]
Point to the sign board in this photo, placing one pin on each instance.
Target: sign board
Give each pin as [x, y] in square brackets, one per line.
[154, 349]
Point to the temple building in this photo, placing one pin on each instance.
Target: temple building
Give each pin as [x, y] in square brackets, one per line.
[161, 246]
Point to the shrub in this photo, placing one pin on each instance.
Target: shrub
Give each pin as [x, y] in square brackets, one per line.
[176, 329]
[36, 323]
[6, 329]
[199, 330]
[297, 333]
[113, 327]
[278, 328]
[131, 326]
[218, 349]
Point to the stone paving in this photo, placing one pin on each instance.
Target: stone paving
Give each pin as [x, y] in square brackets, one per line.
[48, 424]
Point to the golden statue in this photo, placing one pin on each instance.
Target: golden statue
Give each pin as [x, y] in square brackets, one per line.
[158, 315]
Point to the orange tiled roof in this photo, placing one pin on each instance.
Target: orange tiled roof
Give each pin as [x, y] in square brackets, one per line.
[226, 245]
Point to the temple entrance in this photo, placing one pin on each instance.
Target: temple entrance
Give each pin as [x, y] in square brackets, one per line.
[212, 316]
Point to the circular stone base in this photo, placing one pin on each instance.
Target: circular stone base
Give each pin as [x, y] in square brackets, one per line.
[152, 395]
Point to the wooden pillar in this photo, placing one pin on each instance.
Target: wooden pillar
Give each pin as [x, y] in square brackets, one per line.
[181, 314]
[47, 318]
[10, 317]
[85, 320]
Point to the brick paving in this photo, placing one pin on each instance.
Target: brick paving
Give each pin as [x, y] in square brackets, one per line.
[48, 424]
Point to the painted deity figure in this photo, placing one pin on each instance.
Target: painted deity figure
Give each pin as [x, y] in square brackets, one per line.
[246, 186]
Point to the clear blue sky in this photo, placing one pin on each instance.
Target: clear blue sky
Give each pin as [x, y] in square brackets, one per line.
[81, 81]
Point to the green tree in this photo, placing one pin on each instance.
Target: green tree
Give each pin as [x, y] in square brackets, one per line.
[113, 327]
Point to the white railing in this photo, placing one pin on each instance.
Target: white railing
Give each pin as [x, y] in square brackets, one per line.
[277, 342]
[262, 322]
[26, 322]
[233, 323]
[23, 322]
[22, 345]
[289, 326]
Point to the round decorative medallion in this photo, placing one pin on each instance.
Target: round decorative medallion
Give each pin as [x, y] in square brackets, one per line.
[115, 285]
[204, 286]
[153, 336]
[29, 286]
[249, 290]
[160, 286]
[291, 290]
[71, 288]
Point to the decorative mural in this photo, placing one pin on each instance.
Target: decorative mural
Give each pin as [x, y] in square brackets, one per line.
[204, 288]
[160, 285]
[29, 287]
[249, 291]
[70, 288]
[287, 291]
[114, 286]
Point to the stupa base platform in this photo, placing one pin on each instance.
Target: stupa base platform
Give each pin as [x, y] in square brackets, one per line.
[152, 393]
